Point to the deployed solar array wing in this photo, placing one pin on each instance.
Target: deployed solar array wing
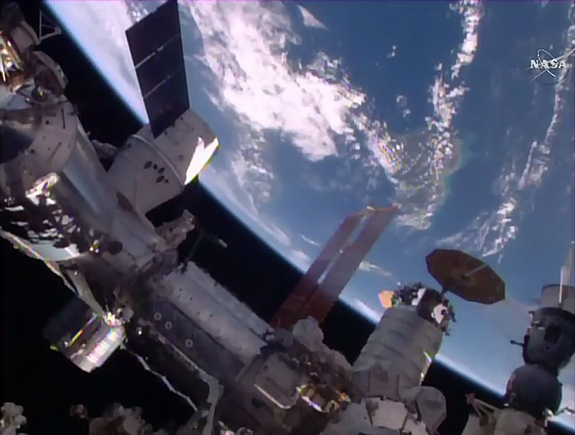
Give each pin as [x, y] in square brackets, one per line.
[466, 276]
[156, 47]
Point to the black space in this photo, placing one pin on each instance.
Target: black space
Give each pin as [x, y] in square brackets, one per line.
[46, 384]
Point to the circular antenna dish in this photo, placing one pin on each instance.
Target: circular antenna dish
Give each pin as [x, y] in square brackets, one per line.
[466, 276]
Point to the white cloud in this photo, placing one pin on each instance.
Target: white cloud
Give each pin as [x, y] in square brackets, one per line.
[310, 241]
[245, 45]
[366, 266]
[243, 203]
[300, 258]
[309, 20]
[246, 49]
[244, 207]
[489, 232]
[252, 170]
[471, 12]
[419, 163]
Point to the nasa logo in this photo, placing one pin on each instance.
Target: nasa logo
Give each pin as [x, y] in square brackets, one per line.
[548, 64]
[547, 69]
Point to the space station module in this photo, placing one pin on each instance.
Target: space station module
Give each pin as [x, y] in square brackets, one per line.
[59, 203]
[533, 393]
[392, 366]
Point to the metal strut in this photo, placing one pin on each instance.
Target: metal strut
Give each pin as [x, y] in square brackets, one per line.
[48, 28]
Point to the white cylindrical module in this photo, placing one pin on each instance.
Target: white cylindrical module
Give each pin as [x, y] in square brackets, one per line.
[557, 296]
[406, 340]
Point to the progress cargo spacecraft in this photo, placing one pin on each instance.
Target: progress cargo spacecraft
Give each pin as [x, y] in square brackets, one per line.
[239, 373]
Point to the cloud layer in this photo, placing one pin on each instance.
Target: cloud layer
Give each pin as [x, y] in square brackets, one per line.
[316, 108]
[523, 172]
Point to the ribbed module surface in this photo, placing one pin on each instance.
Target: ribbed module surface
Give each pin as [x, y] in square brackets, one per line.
[405, 339]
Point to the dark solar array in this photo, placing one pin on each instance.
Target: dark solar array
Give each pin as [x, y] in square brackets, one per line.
[156, 47]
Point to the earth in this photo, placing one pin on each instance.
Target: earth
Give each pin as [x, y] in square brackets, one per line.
[323, 108]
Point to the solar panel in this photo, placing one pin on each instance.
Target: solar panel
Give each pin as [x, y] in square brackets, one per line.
[465, 276]
[156, 47]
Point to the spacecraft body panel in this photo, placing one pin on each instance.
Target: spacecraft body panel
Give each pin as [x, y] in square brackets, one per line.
[143, 174]
[224, 297]
[150, 171]
[53, 127]
[552, 338]
[377, 417]
[394, 361]
[49, 74]
[201, 319]
[548, 347]
[550, 297]
[57, 204]
[534, 389]
[23, 36]
[90, 226]
[507, 421]
[277, 382]
[14, 142]
[82, 336]
[162, 321]
[514, 422]
[308, 332]
[533, 392]
[59, 181]
[429, 403]
[294, 383]
[38, 201]
[479, 425]
[231, 323]
[188, 144]
[405, 340]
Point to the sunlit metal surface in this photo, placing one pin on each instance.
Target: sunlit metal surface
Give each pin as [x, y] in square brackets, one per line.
[88, 225]
[83, 336]
[204, 153]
